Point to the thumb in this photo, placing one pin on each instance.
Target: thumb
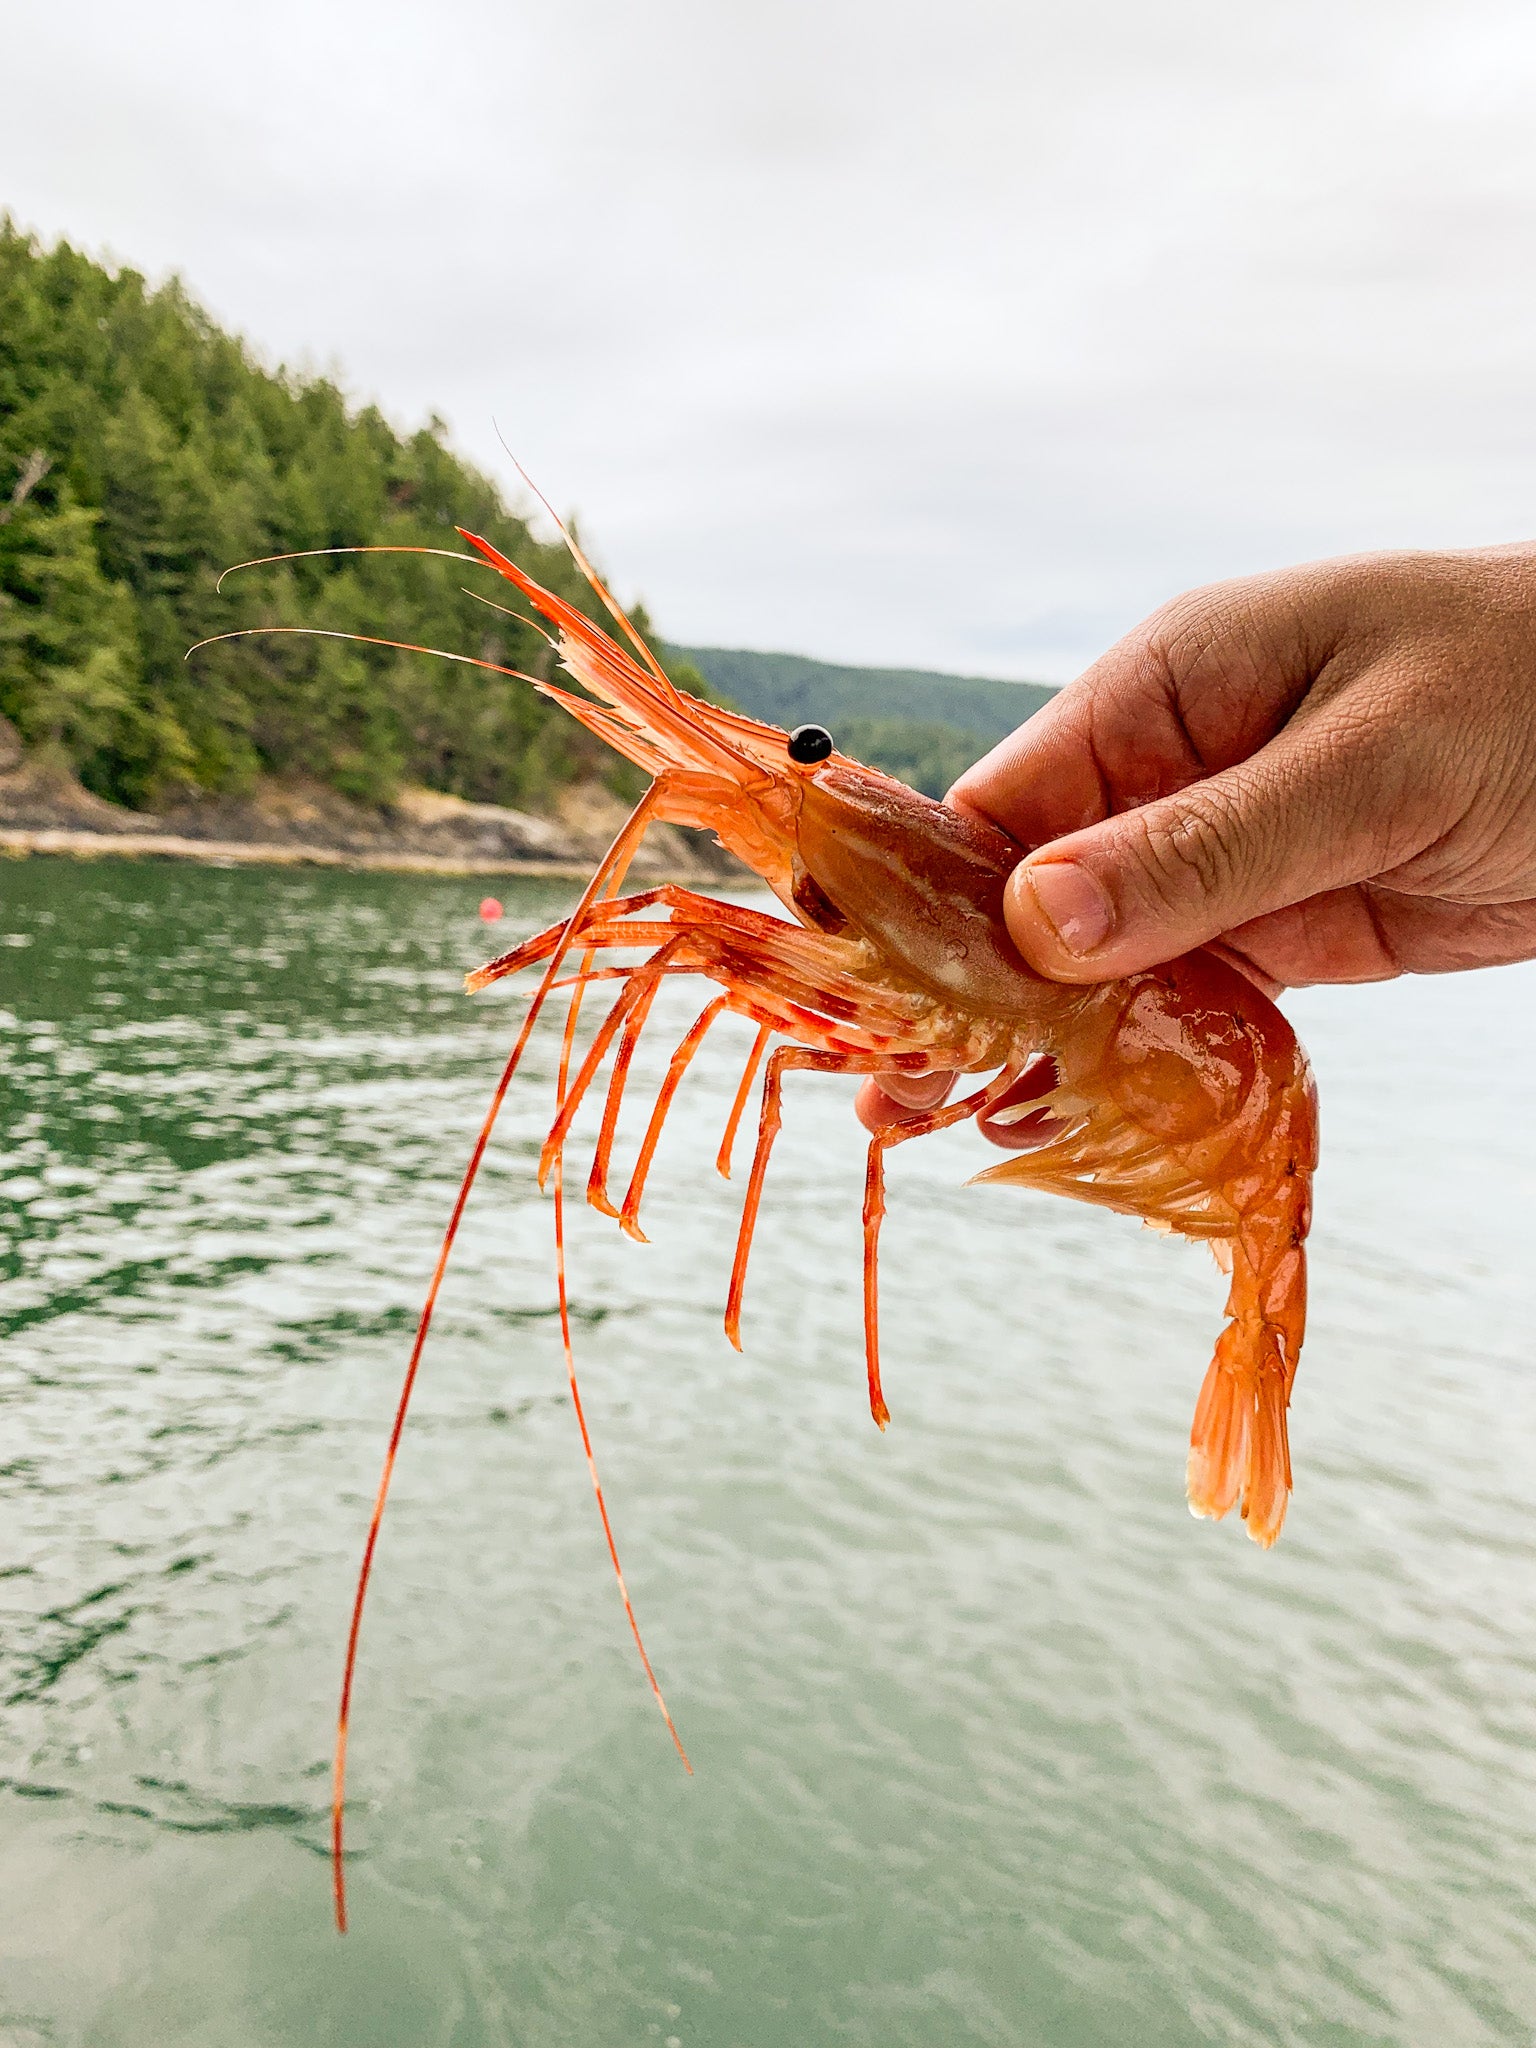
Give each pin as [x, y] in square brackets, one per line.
[1151, 883]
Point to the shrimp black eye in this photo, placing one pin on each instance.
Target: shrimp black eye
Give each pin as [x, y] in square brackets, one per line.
[808, 743]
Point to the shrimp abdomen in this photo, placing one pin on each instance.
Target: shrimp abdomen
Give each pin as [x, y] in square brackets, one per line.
[1199, 1115]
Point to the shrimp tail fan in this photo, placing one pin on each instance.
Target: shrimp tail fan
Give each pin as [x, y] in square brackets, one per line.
[1239, 1445]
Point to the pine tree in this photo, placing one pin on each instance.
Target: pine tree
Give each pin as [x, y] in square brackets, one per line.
[172, 453]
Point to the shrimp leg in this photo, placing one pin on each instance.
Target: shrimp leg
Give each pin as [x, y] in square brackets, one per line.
[874, 1212]
[701, 912]
[769, 1120]
[748, 1076]
[597, 1180]
[639, 988]
[597, 1190]
[629, 1214]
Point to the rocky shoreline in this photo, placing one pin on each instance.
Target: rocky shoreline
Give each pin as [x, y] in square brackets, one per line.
[45, 810]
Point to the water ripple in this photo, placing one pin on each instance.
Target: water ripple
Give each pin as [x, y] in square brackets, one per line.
[993, 1744]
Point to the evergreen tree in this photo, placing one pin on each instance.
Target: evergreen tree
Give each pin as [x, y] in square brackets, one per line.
[171, 453]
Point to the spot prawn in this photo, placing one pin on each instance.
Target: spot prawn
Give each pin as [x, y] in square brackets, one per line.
[1180, 1095]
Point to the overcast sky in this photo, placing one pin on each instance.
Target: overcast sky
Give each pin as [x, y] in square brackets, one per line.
[956, 334]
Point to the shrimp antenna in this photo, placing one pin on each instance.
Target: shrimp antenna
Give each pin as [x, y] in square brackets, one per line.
[309, 554]
[363, 640]
[609, 602]
[609, 869]
[522, 618]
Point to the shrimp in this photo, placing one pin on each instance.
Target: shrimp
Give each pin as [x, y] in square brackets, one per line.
[1179, 1095]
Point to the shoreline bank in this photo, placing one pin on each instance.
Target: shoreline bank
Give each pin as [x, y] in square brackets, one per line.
[20, 843]
[300, 822]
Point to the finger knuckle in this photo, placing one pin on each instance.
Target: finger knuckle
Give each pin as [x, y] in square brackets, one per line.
[1194, 840]
[1200, 624]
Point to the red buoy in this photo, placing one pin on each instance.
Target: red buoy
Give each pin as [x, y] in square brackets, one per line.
[490, 909]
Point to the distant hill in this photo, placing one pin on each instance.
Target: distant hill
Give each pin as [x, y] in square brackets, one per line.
[790, 689]
[913, 722]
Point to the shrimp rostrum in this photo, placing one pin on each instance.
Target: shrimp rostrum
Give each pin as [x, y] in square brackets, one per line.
[1179, 1095]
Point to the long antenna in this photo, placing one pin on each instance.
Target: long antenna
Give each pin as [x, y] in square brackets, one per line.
[613, 862]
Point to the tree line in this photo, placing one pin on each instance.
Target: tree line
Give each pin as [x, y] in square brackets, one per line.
[142, 451]
[918, 724]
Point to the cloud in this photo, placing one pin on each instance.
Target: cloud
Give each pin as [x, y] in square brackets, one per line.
[953, 336]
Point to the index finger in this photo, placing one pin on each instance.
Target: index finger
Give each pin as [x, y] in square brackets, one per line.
[1197, 687]
[887, 1098]
[1044, 780]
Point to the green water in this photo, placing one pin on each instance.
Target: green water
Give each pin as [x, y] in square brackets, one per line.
[993, 1743]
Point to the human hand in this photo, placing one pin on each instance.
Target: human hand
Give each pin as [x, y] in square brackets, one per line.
[1326, 774]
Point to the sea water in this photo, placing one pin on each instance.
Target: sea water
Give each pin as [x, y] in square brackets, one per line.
[993, 1744]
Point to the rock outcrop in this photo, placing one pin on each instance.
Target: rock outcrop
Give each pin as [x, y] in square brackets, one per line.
[45, 809]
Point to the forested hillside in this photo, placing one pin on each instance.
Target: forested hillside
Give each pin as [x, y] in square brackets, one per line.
[142, 450]
[916, 723]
